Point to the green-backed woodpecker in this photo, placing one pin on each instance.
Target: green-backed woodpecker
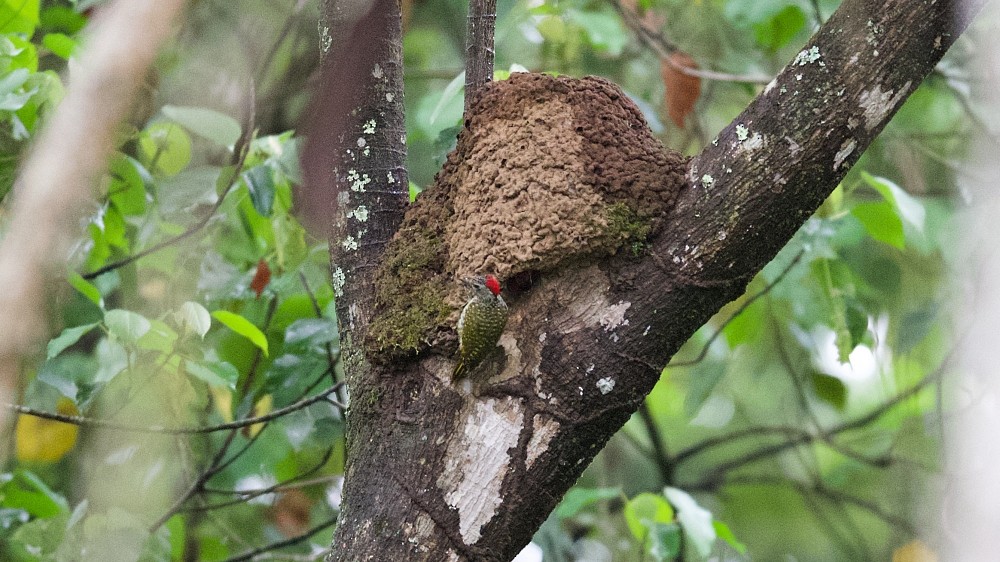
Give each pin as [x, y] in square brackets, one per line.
[480, 324]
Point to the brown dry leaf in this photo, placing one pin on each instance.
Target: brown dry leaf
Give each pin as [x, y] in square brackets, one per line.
[291, 513]
[682, 90]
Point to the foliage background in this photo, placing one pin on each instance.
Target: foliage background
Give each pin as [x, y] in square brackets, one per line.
[791, 418]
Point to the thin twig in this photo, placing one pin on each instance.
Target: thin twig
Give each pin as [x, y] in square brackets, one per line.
[746, 304]
[246, 495]
[833, 495]
[240, 151]
[282, 544]
[104, 424]
[714, 477]
[663, 48]
[660, 454]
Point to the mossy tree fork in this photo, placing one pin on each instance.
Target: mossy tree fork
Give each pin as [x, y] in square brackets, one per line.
[437, 472]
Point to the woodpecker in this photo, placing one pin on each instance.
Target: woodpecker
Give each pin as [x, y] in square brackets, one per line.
[480, 324]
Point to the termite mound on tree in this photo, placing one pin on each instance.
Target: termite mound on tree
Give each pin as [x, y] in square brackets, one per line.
[546, 171]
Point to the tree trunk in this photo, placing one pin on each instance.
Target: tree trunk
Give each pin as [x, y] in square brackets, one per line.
[614, 252]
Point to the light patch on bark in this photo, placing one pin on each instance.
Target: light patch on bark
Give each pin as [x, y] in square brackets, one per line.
[845, 150]
[477, 462]
[543, 432]
[878, 104]
[420, 531]
[614, 316]
[582, 301]
[515, 361]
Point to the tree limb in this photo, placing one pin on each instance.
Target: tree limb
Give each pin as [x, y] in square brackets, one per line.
[71, 152]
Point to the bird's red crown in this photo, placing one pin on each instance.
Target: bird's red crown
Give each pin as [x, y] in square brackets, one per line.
[493, 284]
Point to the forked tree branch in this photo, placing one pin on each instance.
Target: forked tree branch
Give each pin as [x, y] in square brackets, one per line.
[438, 473]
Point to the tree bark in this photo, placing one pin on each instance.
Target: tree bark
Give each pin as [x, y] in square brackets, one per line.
[438, 471]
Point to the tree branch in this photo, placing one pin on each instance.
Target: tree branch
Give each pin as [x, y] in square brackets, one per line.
[479, 49]
[70, 154]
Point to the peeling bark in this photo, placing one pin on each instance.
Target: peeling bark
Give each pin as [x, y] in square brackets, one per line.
[439, 472]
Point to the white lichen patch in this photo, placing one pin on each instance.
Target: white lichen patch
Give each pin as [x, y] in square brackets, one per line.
[606, 385]
[358, 181]
[614, 316]
[325, 40]
[349, 243]
[877, 104]
[746, 141]
[477, 461]
[389, 97]
[338, 280]
[807, 56]
[543, 430]
[362, 142]
[369, 127]
[361, 213]
[754, 142]
[846, 149]
[377, 72]
[707, 181]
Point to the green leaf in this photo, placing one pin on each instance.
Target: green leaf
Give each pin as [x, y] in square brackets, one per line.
[312, 331]
[86, 288]
[909, 208]
[694, 519]
[780, 29]
[645, 509]
[835, 281]
[603, 28]
[701, 388]
[164, 148]
[448, 95]
[577, 499]
[914, 327]
[127, 188]
[723, 532]
[188, 189]
[60, 44]
[260, 182]
[192, 316]
[243, 327]
[68, 337]
[21, 52]
[830, 389]
[126, 326]
[24, 490]
[212, 125]
[664, 541]
[19, 16]
[881, 222]
[13, 94]
[114, 227]
[159, 337]
[221, 375]
[62, 18]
